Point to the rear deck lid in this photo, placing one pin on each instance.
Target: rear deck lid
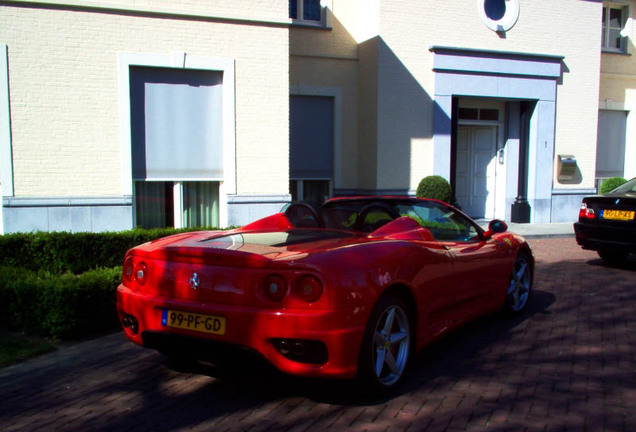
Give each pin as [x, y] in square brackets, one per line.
[228, 268]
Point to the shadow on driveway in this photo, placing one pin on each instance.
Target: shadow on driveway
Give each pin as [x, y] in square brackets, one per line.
[568, 363]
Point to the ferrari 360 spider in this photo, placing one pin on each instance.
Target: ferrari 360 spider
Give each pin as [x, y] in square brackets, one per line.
[350, 289]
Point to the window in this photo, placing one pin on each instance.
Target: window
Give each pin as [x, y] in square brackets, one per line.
[499, 15]
[486, 114]
[176, 204]
[306, 11]
[311, 151]
[495, 9]
[614, 20]
[177, 146]
[200, 204]
[610, 144]
[315, 191]
[154, 204]
[628, 188]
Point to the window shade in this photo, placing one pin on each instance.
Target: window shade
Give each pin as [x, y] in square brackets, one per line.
[176, 124]
[311, 137]
[610, 143]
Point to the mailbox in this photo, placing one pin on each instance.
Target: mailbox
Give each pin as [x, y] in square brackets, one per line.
[566, 167]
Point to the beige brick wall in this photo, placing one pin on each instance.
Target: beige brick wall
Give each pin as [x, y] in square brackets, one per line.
[275, 10]
[64, 89]
[618, 91]
[324, 62]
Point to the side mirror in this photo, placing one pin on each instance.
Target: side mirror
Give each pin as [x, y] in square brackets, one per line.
[495, 226]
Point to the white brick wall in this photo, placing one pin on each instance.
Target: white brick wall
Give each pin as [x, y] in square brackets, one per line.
[408, 28]
[572, 30]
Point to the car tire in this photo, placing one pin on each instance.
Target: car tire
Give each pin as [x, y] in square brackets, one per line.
[613, 257]
[386, 346]
[520, 285]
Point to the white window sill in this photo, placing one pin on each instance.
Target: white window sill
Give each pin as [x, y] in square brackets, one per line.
[310, 24]
[611, 51]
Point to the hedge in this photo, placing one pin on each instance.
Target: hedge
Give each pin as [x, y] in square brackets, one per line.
[62, 252]
[61, 306]
[61, 284]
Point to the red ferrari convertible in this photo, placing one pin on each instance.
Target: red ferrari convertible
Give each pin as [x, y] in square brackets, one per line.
[350, 289]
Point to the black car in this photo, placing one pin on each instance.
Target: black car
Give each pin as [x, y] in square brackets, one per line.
[607, 223]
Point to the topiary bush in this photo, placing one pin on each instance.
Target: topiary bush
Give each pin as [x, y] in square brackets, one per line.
[436, 187]
[612, 183]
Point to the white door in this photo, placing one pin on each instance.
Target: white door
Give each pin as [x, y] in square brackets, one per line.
[475, 170]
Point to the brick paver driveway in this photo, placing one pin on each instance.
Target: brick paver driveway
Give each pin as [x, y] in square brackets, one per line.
[567, 364]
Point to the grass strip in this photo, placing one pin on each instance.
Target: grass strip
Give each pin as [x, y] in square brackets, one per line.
[15, 348]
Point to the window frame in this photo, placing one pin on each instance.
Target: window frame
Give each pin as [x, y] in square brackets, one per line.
[336, 95]
[178, 59]
[625, 17]
[325, 16]
[506, 22]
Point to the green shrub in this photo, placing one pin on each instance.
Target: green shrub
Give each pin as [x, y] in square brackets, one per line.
[436, 187]
[62, 284]
[66, 306]
[62, 252]
[612, 183]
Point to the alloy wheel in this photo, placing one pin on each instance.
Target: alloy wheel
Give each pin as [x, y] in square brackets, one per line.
[391, 345]
[520, 284]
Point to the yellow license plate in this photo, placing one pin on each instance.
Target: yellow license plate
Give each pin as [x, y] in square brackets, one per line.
[624, 215]
[192, 321]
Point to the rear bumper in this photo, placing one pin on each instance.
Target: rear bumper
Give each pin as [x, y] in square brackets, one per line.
[596, 237]
[340, 330]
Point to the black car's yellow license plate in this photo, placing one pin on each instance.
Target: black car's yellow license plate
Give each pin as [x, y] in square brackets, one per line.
[193, 321]
[624, 215]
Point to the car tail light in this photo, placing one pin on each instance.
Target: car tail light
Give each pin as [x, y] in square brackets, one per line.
[585, 212]
[141, 273]
[275, 287]
[309, 288]
[128, 270]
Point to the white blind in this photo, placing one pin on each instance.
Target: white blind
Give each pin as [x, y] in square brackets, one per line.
[176, 124]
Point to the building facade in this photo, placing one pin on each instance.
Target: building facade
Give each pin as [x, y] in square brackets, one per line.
[152, 113]
[143, 113]
[616, 144]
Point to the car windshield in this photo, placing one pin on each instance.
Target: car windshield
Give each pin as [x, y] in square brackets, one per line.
[444, 222]
[627, 188]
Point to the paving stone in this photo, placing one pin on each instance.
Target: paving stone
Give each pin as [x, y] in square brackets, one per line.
[567, 364]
